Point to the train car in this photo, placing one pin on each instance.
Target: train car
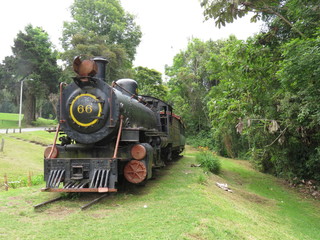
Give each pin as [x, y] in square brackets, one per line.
[108, 134]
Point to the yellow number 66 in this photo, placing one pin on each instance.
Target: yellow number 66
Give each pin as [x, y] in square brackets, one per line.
[81, 109]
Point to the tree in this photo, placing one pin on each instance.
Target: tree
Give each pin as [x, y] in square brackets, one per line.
[150, 83]
[101, 28]
[265, 107]
[246, 94]
[299, 108]
[7, 98]
[289, 12]
[193, 73]
[262, 94]
[33, 59]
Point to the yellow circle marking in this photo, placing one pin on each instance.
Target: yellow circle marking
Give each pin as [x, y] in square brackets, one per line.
[83, 109]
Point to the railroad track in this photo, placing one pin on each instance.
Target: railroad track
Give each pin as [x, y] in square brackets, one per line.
[89, 204]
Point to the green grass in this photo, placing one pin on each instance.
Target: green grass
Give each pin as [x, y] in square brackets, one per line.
[21, 156]
[9, 116]
[181, 203]
[11, 120]
[42, 136]
[42, 122]
[295, 211]
[209, 161]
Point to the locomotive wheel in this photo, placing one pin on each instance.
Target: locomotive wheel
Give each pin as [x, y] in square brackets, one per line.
[135, 171]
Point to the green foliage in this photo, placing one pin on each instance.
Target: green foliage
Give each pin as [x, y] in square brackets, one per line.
[265, 107]
[244, 96]
[7, 105]
[101, 28]
[286, 19]
[203, 139]
[25, 181]
[224, 11]
[45, 122]
[299, 108]
[191, 77]
[209, 161]
[202, 179]
[33, 59]
[150, 83]
[264, 103]
[36, 60]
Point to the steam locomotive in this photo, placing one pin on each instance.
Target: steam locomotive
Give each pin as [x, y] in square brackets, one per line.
[108, 134]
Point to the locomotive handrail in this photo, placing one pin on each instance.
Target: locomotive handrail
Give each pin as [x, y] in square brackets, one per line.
[55, 141]
[118, 139]
[60, 99]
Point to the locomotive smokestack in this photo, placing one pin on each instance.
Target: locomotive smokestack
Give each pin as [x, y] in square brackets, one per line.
[102, 63]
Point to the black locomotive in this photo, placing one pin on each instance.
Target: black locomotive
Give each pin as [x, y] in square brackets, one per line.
[108, 134]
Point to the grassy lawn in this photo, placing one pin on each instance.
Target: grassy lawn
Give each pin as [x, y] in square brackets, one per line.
[21, 156]
[182, 202]
[42, 136]
[11, 120]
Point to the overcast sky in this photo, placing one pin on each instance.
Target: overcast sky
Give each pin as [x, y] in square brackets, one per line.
[167, 25]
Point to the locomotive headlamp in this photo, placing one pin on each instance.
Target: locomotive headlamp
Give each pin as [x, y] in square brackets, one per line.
[138, 152]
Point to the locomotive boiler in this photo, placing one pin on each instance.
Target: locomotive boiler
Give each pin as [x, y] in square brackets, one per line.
[108, 134]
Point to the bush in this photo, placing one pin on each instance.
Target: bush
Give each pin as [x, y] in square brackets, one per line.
[203, 138]
[209, 161]
[202, 179]
[24, 181]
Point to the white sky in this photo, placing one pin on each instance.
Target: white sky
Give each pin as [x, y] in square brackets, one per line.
[166, 25]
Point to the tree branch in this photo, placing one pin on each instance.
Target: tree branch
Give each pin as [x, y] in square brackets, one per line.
[269, 10]
[277, 138]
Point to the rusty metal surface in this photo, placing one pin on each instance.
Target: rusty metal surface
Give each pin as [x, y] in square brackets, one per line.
[60, 198]
[138, 152]
[135, 171]
[118, 138]
[85, 68]
[47, 202]
[93, 201]
[48, 150]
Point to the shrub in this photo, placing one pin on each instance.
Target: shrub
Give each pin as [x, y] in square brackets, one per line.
[24, 181]
[202, 179]
[209, 161]
[203, 138]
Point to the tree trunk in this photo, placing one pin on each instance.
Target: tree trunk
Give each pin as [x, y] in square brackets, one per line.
[39, 115]
[54, 99]
[29, 108]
